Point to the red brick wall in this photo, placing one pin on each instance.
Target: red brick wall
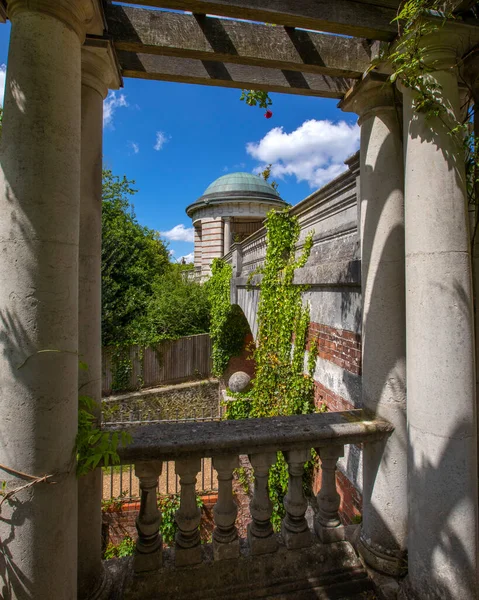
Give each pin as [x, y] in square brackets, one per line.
[334, 403]
[339, 346]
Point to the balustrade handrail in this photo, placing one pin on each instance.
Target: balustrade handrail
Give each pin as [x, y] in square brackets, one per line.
[170, 441]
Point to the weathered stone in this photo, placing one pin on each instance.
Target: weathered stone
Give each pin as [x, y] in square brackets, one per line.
[210, 38]
[185, 440]
[335, 16]
[239, 382]
[315, 572]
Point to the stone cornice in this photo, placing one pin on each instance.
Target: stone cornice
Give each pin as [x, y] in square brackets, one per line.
[77, 14]
[99, 69]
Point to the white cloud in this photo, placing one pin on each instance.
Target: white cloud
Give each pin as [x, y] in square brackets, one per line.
[314, 152]
[3, 76]
[179, 233]
[111, 103]
[161, 140]
[189, 258]
[135, 147]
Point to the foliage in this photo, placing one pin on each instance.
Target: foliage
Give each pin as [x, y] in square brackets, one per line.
[133, 258]
[125, 548]
[244, 479]
[113, 504]
[178, 307]
[168, 506]
[92, 444]
[409, 61]
[228, 327]
[280, 386]
[239, 407]
[256, 97]
[266, 174]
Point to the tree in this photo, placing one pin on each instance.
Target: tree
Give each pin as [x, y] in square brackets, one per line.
[133, 258]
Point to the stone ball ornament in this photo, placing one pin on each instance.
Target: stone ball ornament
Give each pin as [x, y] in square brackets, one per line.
[239, 382]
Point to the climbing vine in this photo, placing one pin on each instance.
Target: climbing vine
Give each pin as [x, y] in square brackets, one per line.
[408, 57]
[228, 326]
[280, 386]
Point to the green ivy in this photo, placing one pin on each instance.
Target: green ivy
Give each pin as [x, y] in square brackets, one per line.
[125, 548]
[256, 97]
[169, 505]
[228, 326]
[280, 386]
[94, 445]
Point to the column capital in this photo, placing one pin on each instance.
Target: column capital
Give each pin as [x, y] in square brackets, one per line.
[370, 95]
[77, 14]
[99, 68]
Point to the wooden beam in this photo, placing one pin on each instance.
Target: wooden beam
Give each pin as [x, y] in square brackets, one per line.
[189, 70]
[346, 17]
[209, 38]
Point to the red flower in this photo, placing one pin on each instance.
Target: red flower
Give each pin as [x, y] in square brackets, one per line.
[268, 114]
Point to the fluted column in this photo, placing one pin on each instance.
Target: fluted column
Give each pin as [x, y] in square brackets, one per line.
[384, 528]
[39, 229]
[97, 76]
[442, 425]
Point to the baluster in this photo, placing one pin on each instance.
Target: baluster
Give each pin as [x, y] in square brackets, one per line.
[148, 555]
[260, 531]
[225, 534]
[188, 517]
[327, 524]
[295, 530]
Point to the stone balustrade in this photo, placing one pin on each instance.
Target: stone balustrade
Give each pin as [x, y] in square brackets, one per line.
[224, 441]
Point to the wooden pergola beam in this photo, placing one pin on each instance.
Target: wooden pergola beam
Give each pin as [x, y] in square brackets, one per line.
[346, 17]
[190, 70]
[209, 38]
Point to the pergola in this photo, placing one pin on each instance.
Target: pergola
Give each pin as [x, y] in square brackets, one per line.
[416, 261]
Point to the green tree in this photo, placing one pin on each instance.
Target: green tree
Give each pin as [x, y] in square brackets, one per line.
[178, 307]
[133, 259]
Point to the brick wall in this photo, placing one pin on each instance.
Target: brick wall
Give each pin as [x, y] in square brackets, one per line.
[339, 346]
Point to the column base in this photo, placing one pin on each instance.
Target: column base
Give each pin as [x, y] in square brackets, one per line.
[187, 556]
[296, 539]
[382, 560]
[226, 551]
[144, 563]
[328, 535]
[259, 545]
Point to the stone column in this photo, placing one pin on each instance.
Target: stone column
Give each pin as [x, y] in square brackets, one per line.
[226, 235]
[97, 77]
[384, 529]
[39, 230]
[442, 426]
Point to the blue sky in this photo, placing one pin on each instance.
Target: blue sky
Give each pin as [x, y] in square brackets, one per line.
[175, 139]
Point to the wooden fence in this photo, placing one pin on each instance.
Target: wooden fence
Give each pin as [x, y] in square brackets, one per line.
[168, 362]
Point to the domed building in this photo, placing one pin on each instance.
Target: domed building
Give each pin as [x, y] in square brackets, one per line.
[231, 208]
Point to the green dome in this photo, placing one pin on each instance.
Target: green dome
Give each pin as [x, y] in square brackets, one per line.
[237, 187]
[240, 182]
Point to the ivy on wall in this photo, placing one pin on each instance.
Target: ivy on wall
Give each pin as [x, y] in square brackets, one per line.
[280, 386]
[228, 326]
